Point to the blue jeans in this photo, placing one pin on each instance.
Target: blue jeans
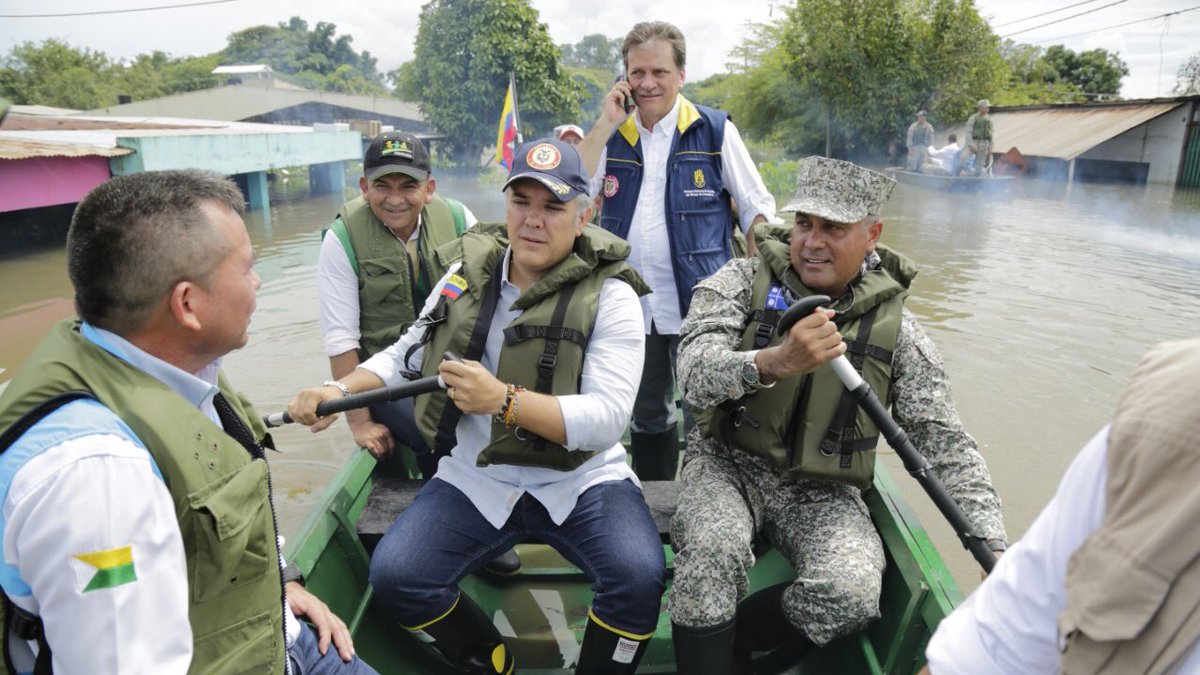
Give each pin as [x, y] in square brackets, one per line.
[441, 538]
[305, 659]
[399, 418]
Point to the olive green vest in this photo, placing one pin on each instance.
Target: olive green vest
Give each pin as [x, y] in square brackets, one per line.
[222, 495]
[982, 129]
[543, 347]
[809, 426]
[389, 293]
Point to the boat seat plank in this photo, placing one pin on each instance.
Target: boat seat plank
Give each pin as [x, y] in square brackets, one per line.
[392, 495]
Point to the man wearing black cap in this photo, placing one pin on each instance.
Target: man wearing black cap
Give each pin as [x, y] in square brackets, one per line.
[549, 325]
[375, 272]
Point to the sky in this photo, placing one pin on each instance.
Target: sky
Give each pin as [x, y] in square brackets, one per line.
[1154, 50]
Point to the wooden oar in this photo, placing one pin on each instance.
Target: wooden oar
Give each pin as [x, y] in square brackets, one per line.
[914, 462]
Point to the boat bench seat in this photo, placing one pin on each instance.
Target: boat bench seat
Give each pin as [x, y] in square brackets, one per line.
[392, 495]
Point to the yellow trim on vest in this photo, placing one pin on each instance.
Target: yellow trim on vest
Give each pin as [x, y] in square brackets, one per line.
[430, 623]
[622, 633]
[629, 130]
[688, 114]
[625, 161]
[697, 152]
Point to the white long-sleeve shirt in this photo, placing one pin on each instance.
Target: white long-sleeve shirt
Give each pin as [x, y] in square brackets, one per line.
[97, 491]
[1009, 624]
[594, 418]
[651, 247]
[337, 292]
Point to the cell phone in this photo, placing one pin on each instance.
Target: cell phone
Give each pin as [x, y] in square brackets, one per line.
[629, 105]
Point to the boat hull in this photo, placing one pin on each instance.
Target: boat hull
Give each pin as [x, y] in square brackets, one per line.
[964, 183]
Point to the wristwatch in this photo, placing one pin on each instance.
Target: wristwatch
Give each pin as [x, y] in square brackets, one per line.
[750, 371]
[337, 385]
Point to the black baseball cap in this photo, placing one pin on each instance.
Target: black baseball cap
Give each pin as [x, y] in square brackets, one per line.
[552, 163]
[396, 152]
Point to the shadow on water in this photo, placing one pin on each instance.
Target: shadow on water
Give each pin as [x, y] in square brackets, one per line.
[1040, 300]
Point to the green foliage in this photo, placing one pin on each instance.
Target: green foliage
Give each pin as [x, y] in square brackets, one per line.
[780, 178]
[314, 59]
[1188, 77]
[1096, 71]
[594, 83]
[1031, 80]
[595, 51]
[465, 51]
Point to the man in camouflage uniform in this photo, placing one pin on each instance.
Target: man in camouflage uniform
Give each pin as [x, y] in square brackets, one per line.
[752, 471]
[979, 139]
[920, 136]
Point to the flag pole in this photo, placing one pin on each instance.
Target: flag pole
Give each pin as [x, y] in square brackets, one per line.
[512, 84]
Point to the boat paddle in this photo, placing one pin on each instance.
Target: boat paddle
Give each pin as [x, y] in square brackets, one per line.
[914, 462]
[395, 392]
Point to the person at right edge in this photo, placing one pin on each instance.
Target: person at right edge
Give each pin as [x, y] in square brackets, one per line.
[788, 452]
[667, 173]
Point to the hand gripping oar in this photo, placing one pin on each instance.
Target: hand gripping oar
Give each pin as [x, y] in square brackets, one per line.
[914, 462]
[417, 387]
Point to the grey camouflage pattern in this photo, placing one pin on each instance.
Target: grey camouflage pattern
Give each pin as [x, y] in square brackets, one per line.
[839, 191]
[709, 578]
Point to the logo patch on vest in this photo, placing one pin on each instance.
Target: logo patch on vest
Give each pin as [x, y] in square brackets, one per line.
[611, 185]
[543, 157]
[454, 287]
[775, 299]
[399, 148]
[698, 178]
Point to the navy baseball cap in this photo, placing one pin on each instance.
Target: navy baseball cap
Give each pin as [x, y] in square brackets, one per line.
[552, 163]
[396, 152]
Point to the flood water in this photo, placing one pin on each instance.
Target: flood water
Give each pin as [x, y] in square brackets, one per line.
[1041, 301]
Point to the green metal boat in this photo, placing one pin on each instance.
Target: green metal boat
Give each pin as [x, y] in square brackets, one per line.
[542, 611]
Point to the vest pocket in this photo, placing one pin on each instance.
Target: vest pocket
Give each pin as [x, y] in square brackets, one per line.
[248, 646]
[384, 277]
[230, 532]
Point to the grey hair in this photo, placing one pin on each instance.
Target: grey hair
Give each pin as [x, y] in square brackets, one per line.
[656, 30]
[134, 237]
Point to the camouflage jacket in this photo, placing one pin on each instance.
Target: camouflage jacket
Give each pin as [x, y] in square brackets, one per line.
[710, 371]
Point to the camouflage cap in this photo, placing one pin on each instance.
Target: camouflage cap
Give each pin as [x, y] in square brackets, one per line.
[983, 103]
[839, 191]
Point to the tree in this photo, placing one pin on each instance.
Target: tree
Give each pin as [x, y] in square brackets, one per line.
[465, 51]
[1031, 80]
[594, 51]
[310, 58]
[1096, 71]
[1188, 77]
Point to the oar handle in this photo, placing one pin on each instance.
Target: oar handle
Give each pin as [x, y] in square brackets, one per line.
[424, 385]
[914, 462]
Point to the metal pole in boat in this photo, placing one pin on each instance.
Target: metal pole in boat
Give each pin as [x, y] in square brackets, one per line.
[914, 462]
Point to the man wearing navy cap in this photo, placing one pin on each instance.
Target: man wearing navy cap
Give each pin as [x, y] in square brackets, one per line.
[549, 325]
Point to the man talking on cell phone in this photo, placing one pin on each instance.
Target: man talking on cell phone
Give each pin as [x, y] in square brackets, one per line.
[668, 173]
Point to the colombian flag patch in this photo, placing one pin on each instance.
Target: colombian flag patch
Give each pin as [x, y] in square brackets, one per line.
[454, 287]
[104, 569]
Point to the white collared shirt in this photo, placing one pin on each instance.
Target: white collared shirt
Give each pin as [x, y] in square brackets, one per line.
[648, 239]
[337, 291]
[594, 418]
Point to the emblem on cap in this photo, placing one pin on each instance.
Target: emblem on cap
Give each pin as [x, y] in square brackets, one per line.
[543, 157]
[393, 147]
[610, 185]
[698, 178]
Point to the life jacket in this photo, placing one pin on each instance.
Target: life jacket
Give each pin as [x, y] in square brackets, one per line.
[389, 293]
[809, 426]
[698, 212]
[543, 348]
[981, 129]
[221, 491]
[922, 135]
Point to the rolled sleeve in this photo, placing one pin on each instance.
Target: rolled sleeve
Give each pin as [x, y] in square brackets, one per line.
[743, 181]
[596, 417]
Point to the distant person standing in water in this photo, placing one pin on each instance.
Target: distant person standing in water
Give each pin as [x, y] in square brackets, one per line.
[920, 135]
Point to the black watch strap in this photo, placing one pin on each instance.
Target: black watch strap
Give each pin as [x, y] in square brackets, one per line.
[292, 573]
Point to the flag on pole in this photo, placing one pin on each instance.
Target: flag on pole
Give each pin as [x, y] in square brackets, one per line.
[508, 136]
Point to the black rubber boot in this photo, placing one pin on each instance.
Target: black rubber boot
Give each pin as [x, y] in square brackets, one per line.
[605, 652]
[704, 651]
[505, 565]
[655, 456]
[762, 626]
[467, 639]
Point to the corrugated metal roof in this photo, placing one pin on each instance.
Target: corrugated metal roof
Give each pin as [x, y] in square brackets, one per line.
[1065, 132]
[241, 70]
[21, 148]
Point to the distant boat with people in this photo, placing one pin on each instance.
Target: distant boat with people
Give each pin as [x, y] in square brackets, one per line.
[947, 183]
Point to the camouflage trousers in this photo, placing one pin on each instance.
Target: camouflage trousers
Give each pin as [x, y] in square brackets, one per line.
[982, 154]
[822, 528]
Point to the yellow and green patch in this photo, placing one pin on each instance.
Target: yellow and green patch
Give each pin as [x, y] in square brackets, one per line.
[113, 568]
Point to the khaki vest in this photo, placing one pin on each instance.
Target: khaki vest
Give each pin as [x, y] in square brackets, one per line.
[809, 426]
[222, 495]
[543, 347]
[389, 293]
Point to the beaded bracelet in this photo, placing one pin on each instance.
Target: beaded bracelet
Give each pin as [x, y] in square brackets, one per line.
[508, 412]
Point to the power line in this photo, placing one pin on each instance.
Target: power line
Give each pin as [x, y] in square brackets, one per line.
[1065, 18]
[1119, 25]
[1034, 16]
[114, 11]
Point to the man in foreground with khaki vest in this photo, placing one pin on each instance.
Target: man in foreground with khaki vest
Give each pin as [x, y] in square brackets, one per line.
[138, 530]
[548, 324]
[787, 452]
[1107, 578]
